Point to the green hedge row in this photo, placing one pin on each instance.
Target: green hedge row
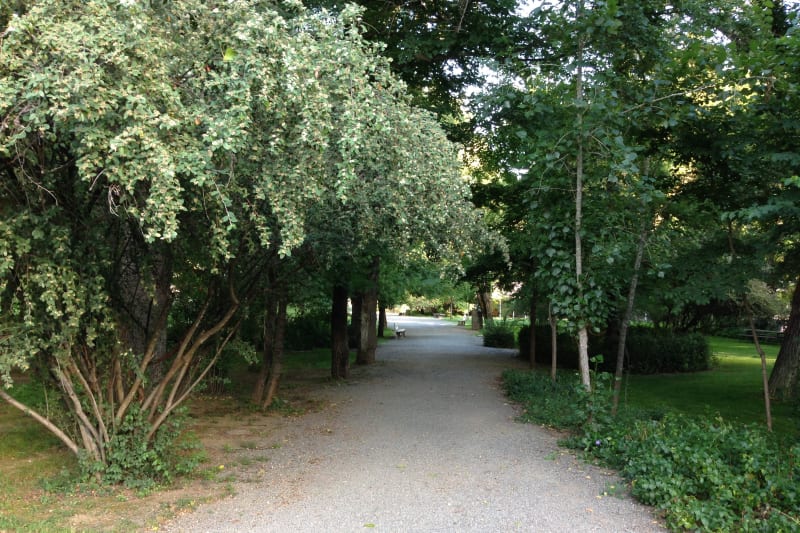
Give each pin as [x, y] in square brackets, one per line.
[650, 351]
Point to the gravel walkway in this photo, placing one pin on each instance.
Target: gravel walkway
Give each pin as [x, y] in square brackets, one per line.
[424, 442]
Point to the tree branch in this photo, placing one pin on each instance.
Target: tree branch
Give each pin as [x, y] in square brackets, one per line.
[98, 414]
[91, 438]
[149, 353]
[152, 399]
[204, 336]
[52, 428]
[172, 405]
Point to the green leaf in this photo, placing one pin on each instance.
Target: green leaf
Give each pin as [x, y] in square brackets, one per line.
[230, 54]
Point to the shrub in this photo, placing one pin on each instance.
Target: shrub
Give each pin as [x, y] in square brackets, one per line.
[566, 346]
[498, 335]
[135, 462]
[711, 474]
[705, 473]
[548, 402]
[658, 351]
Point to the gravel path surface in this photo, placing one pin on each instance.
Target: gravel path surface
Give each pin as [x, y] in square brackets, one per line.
[423, 441]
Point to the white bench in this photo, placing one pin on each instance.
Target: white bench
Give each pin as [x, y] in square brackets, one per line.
[398, 332]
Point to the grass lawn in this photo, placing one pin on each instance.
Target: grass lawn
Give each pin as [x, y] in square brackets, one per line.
[28, 453]
[732, 389]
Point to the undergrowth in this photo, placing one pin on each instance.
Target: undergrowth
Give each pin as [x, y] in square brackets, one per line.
[705, 473]
[136, 462]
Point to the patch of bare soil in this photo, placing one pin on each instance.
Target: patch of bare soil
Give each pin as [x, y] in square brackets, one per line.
[237, 443]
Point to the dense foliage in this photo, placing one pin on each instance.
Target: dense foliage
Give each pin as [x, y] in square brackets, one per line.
[166, 171]
[307, 331]
[705, 473]
[657, 352]
[639, 163]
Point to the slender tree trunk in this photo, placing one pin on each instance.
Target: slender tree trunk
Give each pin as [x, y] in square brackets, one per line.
[383, 322]
[762, 355]
[783, 380]
[626, 320]
[532, 337]
[277, 353]
[583, 331]
[340, 353]
[750, 315]
[553, 343]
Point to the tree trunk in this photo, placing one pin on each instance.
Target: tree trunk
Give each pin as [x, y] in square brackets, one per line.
[340, 352]
[783, 380]
[383, 323]
[751, 319]
[476, 319]
[626, 320]
[369, 307]
[583, 331]
[277, 353]
[485, 305]
[356, 317]
[532, 337]
[369, 339]
[267, 351]
[553, 343]
[762, 355]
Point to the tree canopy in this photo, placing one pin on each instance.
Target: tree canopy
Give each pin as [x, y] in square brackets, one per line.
[647, 120]
[161, 161]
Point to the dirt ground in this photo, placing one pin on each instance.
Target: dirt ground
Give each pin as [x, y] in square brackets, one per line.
[237, 443]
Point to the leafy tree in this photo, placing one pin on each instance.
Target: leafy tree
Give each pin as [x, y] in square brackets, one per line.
[155, 160]
[439, 47]
[390, 199]
[546, 120]
[739, 146]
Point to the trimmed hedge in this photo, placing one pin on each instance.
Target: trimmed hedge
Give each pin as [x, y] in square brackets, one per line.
[651, 351]
[658, 352]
